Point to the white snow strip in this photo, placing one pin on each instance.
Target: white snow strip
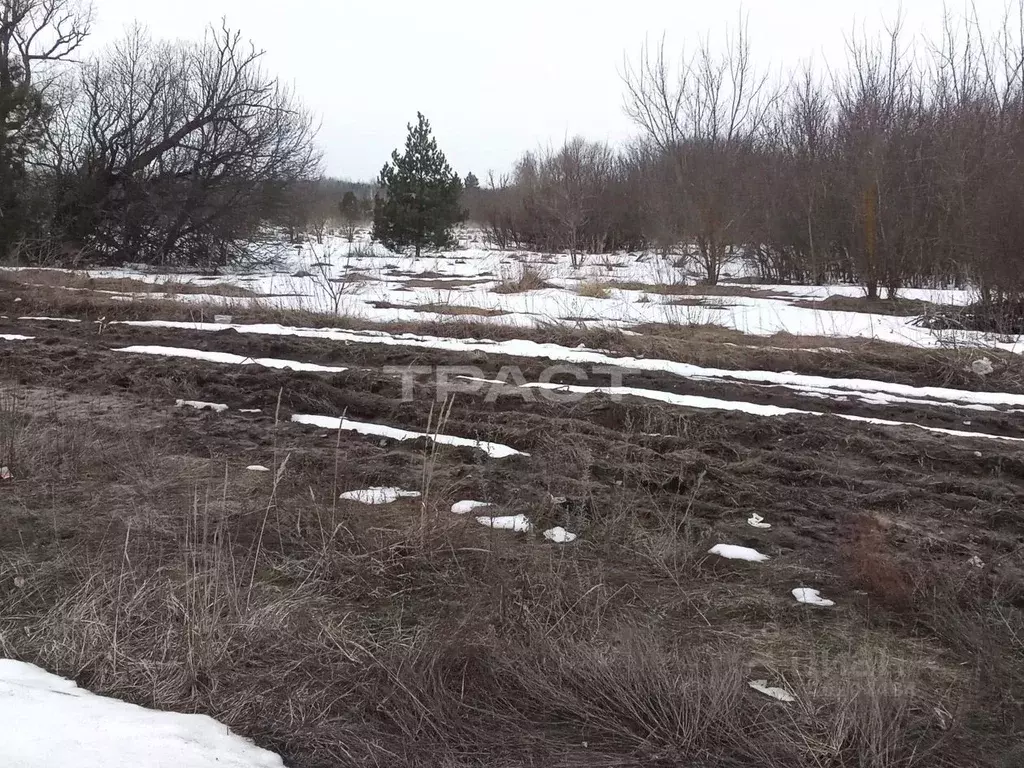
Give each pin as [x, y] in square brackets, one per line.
[257, 468]
[733, 552]
[756, 521]
[532, 349]
[811, 597]
[199, 405]
[53, 319]
[379, 495]
[518, 523]
[49, 722]
[15, 337]
[249, 410]
[229, 359]
[465, 507]
[776, 693]
[494, 450]
[559, 535]
[755, 409]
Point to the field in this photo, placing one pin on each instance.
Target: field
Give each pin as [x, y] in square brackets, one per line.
[206, 560]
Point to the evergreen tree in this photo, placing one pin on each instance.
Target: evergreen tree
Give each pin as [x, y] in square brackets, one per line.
[472, 182]
[419, 201]
[350, 213]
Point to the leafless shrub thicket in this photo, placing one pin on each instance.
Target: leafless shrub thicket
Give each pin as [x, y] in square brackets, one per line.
[174, 150]
[171, 153]
[904, 168]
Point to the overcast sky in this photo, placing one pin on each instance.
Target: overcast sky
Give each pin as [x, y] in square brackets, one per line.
[495, 77]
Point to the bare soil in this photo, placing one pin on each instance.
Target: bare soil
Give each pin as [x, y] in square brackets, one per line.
[157, 569]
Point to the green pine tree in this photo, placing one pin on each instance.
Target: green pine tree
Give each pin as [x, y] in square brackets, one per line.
[419, 201]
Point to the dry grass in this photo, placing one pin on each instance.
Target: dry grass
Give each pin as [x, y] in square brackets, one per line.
[896, 307]
[870, 565]
[524, 277]
[593, 289]
[683, 289]
[400, 636]
[81, 281]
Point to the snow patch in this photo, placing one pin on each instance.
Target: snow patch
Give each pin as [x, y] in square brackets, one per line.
[494, 450]
[257, 468]
[559, 535]
[199, 405]
[50, 722]
[811, 597]
[733, 552]
[518, 523]
[15, 337]
[229, 359]
[776, 693]
[53, 319]
[379, 495]
[756, 521]
[465, 507]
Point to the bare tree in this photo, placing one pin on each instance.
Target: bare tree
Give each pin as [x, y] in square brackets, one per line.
[705, 116]
[183, 148]
[35, 35]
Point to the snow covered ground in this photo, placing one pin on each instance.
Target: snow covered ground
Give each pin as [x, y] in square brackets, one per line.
[49, 722]
[366, 281]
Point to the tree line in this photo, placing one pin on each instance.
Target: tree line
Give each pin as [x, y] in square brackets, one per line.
[904, 168]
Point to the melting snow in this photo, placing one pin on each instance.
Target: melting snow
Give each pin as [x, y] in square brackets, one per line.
[49, 722]
[257, 468]
[229, 359]
[15, 337]
[465, 507]
[559, 535]
[755, 409]
[379, 495]
[811, 597]
[532, 349]
[775, 693]
[200, 405]
[494, 450]
[756, 521]
[732, 552]
[518, 523]
[53, 319]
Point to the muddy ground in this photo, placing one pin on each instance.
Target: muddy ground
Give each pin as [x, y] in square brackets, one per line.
[404, 635]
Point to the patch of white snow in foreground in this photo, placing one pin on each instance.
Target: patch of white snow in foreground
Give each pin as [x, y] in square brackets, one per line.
[811, 597]
[229, 359]
[756, 521]
[15, 337]
[49, 722]
[776, 693]
[467, 506]
[559, 535]
[518, 523]
[257, 468]
[494, 450]
[199, 405]
[733, 552]
[379, 495]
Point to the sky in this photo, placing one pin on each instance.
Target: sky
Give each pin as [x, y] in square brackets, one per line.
[496, 77]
